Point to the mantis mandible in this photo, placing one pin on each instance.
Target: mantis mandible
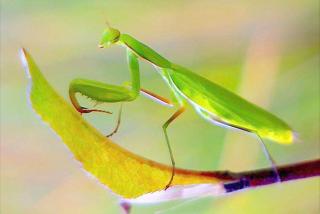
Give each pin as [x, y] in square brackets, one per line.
[211, 101]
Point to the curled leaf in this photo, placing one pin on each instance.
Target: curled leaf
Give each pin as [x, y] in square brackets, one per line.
[125, 173]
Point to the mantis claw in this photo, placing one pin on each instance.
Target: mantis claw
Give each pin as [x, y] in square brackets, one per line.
[168, 185]
[84, 110]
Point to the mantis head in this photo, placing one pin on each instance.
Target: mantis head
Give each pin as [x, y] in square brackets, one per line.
[109, 36]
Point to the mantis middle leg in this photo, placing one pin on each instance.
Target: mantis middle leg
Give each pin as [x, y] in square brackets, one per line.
[150, 95]
[164, 127]
[115, 130]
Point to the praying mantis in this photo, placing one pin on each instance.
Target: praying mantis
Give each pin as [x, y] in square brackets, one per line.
[211, 101]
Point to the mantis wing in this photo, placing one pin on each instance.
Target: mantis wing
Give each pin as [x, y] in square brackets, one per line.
[228, 107]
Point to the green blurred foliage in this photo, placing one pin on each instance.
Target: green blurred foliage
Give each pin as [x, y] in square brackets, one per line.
[221, 40]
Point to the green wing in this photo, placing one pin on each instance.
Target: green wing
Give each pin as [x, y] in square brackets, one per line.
[228, 107]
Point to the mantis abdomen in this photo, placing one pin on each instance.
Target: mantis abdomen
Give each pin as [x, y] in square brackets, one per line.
[228, 108]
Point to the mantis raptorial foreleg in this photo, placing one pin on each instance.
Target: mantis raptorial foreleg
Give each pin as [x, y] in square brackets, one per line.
[103, 92]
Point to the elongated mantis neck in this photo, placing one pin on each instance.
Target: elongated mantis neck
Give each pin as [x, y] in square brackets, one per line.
[144, 51]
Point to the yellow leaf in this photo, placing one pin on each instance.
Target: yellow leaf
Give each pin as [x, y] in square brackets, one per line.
[125, 173]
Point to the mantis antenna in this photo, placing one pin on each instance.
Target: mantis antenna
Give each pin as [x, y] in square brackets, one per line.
[108, 24]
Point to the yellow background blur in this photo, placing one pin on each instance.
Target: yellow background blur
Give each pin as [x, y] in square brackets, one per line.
[267, 51]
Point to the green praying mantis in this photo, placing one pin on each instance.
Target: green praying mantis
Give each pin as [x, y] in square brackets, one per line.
[211, 101]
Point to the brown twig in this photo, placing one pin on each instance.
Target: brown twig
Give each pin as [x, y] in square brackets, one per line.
[266, 176]
[235, 181]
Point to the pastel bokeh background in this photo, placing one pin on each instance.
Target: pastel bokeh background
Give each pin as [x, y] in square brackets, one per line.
[267, 51]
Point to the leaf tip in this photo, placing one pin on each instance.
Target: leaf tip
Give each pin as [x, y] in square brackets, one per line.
[23, 57]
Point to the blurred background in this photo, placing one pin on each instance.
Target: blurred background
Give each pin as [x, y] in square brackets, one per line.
[267, 51]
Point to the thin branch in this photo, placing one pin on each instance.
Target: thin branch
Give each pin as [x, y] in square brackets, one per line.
[234, 181]
[266, 176]
[230, 182]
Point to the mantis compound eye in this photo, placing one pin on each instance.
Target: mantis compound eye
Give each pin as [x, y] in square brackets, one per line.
[109, 37]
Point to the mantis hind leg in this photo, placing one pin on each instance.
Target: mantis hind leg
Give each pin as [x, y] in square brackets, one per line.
[164, 127]
[218, 121]
[270, 159]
